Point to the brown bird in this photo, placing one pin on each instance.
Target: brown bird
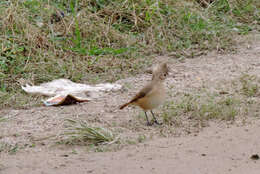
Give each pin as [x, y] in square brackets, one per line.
[153, 94]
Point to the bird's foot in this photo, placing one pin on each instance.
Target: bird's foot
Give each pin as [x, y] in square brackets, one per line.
[149, 124]
[156, 122]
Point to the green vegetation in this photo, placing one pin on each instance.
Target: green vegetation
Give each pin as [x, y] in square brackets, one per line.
[250, 86]
[81, 133]
[224, 105]
[2, 119]
[202, 108]
[11, 149]
[99, 40]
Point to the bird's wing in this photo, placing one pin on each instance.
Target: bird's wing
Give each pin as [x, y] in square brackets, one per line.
[146, 90]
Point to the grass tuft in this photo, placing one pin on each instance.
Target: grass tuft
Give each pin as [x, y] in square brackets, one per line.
[2, 119]
[81, 133]
[201, 108]
[11, 149]
[202, 105]
[250, 86]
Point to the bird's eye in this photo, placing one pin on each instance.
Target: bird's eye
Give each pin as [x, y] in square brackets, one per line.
[165, 74]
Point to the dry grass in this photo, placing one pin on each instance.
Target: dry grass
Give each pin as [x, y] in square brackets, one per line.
[226, 104]
[79, 132]
[97, 41]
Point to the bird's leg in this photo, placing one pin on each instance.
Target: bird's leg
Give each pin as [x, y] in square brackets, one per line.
[147, 123]
[155, 120]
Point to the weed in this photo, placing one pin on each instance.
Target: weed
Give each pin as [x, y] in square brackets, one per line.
[201, 107]
[80, 132]
[250, 86]
[170, 117]
[130, 141]
[141, 138]
[98, 41]
[11, 149]
[2, 119]
[74, 151]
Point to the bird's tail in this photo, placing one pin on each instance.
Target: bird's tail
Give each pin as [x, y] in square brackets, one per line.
[124, 105]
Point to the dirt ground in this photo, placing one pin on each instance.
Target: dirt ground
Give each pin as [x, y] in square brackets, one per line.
[220, 147]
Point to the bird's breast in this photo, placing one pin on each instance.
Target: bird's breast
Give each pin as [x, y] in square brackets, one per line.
[152, 100]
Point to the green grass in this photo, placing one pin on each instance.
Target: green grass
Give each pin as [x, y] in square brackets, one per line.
[201, 107]
[2, 119]
[250, 85]
[99, 41]
[80, 132]
[11, 149]
[239, 99]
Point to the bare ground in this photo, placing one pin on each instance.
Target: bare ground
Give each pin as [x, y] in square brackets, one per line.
[28, 138]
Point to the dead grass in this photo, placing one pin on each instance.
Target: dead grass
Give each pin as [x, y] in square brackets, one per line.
[11, 149]
[79, 132]
[226, 104]
[202, 108]
[93, 41]
[250, 85]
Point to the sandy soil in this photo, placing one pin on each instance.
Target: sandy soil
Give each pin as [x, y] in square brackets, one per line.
[213, 151]
[218, 148]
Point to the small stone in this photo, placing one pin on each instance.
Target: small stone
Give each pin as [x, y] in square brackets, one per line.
[65, 155]
[255, 157]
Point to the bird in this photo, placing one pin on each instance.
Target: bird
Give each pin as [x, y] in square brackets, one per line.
[153, 94]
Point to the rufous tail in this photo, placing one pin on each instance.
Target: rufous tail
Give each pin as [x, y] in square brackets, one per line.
[124, 105]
